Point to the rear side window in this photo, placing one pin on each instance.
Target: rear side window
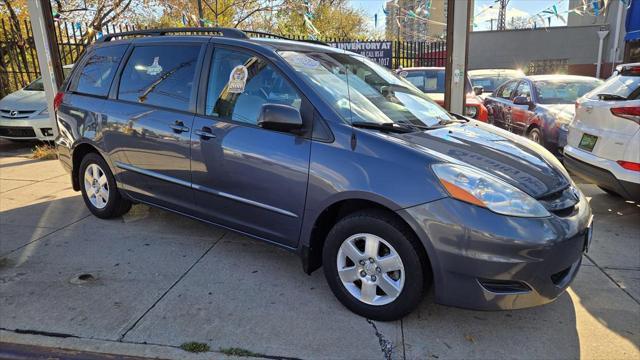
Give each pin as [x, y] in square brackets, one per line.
[160, 75]
[417, 79]
[627, 87]
[240, 83]
[97, 74]
[507, 89]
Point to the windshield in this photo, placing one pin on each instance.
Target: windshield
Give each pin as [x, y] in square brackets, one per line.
[37, 84]
[627, 87]
[490, 83]
[563, 91]
[362, 91]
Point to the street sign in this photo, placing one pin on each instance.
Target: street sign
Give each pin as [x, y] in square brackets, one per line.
[378, 51]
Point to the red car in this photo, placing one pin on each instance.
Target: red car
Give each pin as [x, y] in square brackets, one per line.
[431, 81]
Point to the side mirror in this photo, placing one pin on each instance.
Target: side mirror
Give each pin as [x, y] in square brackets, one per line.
[521, 100]
[280, 118]
[478, 90]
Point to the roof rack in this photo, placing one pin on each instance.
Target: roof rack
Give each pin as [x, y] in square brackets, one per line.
[226, 32]
[267, 35]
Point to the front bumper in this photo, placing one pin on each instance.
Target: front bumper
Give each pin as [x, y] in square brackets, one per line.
[483, 260]
[38, 127]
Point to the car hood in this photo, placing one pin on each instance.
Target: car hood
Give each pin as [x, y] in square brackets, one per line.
[514, 159]
[24, 100]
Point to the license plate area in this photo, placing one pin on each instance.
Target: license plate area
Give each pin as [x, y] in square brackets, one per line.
[588, 142]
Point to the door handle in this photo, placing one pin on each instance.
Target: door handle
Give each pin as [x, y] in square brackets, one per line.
[205, 133]
[178, 127]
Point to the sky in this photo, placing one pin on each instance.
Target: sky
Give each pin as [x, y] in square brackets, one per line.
[514, 9]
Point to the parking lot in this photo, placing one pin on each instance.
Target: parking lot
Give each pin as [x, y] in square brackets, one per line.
[144, 284]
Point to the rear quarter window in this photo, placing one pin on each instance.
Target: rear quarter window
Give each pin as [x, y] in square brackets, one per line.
[98, 71]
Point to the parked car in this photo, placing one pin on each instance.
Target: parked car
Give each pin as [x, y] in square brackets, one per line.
[326, 154]
[430, 80]
[24, 115]
[539, 107]
[486, 81]
[604, 137]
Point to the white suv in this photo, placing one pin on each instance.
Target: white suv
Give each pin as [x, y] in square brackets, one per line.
[603, 143]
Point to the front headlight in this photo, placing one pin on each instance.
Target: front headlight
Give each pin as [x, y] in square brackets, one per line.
[470, 111]
[482, 189]
[564, 126]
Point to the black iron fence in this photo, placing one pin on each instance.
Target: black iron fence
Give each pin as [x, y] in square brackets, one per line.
[19, 64]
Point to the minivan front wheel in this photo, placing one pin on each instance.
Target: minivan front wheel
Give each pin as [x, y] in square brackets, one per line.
[372, 265]
[99, 189]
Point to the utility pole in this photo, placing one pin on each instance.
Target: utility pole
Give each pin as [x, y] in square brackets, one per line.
[200, 14]
[44, 36]
[502, 15]
[457, 49]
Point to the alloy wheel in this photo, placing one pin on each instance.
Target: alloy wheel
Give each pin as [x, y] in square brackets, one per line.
[370, 269]
[534, 136]
[96, 186]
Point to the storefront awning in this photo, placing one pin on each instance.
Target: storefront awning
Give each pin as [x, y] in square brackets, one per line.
[632, 24]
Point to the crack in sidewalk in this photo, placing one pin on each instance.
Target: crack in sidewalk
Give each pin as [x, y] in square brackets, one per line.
[612, 279]
[121, 338]
[386, 346]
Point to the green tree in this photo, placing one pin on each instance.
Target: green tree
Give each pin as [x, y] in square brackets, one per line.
[331, 19]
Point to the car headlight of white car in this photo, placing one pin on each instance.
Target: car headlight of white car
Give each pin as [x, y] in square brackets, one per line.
[470, 111]
[485, 190]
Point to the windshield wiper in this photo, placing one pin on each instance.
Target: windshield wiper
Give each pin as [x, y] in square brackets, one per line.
[606, 97]
[389, 126]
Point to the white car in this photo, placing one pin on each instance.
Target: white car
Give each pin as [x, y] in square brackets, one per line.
[24, 116]
[603, 144]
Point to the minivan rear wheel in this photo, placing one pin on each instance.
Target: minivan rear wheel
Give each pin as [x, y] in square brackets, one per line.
[372, 264]
[99, 189]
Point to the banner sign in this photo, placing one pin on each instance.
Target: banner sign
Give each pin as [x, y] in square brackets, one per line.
[378, 51]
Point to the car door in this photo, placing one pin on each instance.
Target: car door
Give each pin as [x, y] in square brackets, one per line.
[245, 177]
[521, 114]
[499, 104]
[151, 114]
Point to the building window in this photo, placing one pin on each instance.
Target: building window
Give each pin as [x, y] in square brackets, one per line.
[548, 66]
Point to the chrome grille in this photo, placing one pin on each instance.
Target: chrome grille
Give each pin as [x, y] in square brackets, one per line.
[16, 114]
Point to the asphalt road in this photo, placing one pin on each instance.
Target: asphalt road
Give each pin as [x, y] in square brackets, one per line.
[144, 284]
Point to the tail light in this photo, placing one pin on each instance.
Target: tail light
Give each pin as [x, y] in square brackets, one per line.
[577, 106]
[628, 112]
[57, 100]
[629, 165]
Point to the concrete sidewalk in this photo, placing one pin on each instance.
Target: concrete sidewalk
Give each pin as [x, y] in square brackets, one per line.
[151, 281]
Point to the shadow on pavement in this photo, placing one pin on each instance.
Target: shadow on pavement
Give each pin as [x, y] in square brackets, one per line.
[151, 255]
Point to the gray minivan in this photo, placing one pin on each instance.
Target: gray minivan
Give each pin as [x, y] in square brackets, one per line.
[326, 154]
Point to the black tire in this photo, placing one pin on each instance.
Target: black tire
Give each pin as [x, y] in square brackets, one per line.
[116, 205]
[610, 192]
[405, 243]
[535, 135]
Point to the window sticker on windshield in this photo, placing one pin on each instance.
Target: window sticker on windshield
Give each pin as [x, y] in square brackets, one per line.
[237, 79]
[303, 61]
[155, 68]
